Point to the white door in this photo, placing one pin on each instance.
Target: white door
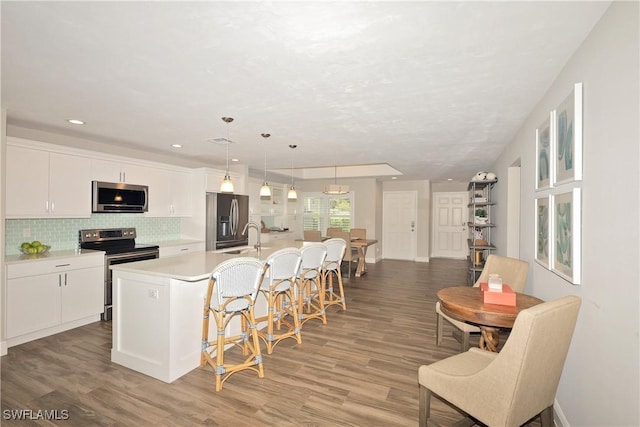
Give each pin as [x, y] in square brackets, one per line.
[450, 216]
[399, 225]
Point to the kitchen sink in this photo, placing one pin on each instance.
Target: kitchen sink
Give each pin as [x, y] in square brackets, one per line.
[240, 250]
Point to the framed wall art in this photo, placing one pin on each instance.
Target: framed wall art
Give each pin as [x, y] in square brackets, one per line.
[543, 231]
[566, 235]
[544, 154]
[567, 143]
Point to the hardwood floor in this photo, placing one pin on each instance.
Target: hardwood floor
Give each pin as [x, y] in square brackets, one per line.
[358, 370]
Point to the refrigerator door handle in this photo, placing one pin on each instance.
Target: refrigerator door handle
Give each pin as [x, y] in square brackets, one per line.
[233, 217]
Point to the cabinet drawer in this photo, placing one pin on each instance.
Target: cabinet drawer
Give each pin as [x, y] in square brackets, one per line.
[53, 265]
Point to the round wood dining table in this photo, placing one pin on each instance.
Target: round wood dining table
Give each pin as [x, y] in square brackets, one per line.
[466, 304]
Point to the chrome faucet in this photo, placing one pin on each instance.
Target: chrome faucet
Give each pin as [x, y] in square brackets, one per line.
[252, 224]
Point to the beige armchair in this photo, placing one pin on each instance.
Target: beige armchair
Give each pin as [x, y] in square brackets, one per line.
[513, 272]
[511, 387]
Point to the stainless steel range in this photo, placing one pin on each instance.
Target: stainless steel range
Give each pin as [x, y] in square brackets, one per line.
[120, 247]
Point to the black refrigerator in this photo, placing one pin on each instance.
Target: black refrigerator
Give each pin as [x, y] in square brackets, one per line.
[227, 214]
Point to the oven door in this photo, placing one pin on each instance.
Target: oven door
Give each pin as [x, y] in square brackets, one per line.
[115, 259]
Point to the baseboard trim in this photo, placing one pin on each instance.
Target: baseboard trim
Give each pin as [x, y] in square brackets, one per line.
[3, 348]
[559, 419]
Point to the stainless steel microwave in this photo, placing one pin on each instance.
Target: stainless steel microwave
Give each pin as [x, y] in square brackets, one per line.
[112, 197]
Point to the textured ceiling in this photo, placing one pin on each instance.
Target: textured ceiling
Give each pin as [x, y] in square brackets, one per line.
[436, 90]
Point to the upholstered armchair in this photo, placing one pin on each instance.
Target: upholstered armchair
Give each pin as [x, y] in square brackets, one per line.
[513, 272]
[511, 387]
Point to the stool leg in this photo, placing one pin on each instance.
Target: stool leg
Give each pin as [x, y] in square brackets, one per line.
[220, 339]
[253, 326]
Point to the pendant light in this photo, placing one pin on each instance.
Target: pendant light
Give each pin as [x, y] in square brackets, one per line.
[335, 188]
[292, 194]
[226, 186]
[265, 190]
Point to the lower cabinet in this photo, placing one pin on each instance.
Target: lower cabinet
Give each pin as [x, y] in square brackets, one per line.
[173, 250]
[53, 295]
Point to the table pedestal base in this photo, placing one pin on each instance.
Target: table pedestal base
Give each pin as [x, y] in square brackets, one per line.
[489, 338]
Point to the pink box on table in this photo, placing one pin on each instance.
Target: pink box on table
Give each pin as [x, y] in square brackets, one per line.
[506, 297]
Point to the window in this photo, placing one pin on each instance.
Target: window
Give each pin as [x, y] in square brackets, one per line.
[322, 211]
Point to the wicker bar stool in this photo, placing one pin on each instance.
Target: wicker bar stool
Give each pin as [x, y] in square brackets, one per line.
[278, 287]
[330, 269]
[232, 291]
[310, 285]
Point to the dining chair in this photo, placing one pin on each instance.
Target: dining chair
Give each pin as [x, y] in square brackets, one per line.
[331, 231]
[513, 272]
[331, 269]
[358, 233]
[278, 288]
[350, 253]
[233, 288]
[312, 236]
[310, 285]
[511, 387]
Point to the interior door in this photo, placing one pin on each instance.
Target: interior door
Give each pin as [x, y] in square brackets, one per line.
[450, 216]
[399, 228]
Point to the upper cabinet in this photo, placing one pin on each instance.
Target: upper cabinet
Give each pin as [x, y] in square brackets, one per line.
[113, 171]
[45, 180]
[214, 177]
[42, 184]
[180, 193]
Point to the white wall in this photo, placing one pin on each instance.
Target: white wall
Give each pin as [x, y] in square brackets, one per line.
[3, 151]
[600, 382]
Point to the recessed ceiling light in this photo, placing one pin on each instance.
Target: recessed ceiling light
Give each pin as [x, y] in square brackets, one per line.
[176, 145]
[449, 179]
[75, 121]
[394, 177]
[235, 160]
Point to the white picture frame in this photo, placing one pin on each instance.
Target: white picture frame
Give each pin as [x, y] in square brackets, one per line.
[543, 249]
[567, 140]
[566, 236]
[545, 153]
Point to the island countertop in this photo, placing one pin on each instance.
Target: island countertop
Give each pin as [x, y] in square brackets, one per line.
[193, 267]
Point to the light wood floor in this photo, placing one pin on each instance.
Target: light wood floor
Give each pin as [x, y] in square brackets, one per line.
[358, 370]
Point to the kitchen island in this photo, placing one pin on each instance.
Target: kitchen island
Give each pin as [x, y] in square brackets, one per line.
[158, 307]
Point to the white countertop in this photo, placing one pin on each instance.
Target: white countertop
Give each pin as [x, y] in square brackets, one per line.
[12, 259]
[196, 266]
[177, 242]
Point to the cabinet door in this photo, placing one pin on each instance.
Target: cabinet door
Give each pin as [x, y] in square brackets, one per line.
[158, 181]
[181, 189]
[34, 303]
[105, 170]
[27, 193]
[82, 293]
[69, 186]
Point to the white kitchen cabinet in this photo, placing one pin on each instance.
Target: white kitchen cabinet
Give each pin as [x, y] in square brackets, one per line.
[170, 193]
[43, 184]
[114, 171]
[181, 191]
[275, 236]
[181, 249]
[215, 177]
[50, 295]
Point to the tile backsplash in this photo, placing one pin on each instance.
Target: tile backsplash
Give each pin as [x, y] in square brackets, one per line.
[62, 234]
